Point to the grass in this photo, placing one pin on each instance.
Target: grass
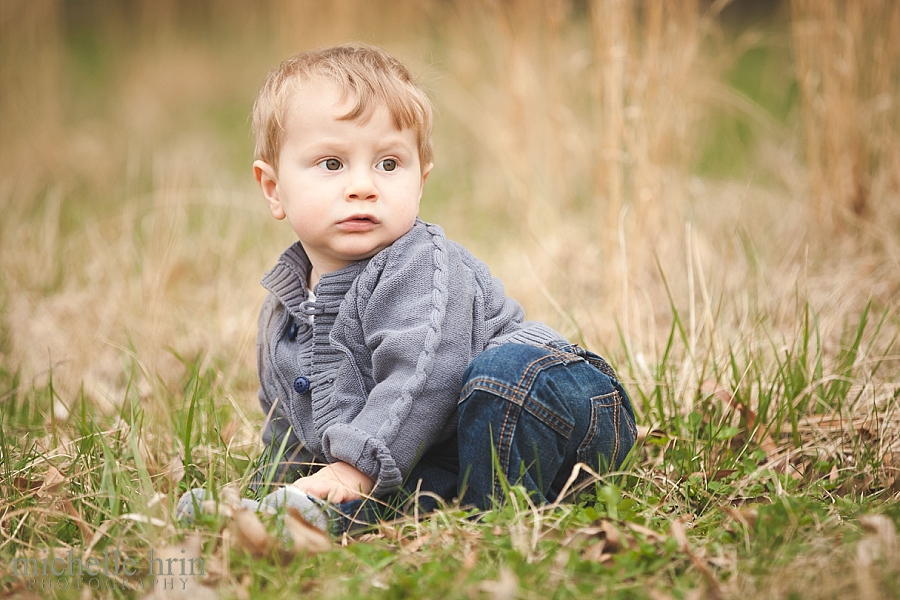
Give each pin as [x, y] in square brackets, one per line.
[672, 192]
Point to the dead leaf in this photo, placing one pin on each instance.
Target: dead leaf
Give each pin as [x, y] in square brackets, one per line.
[470, 561]
[139, 518]
[174, 472]
[830, 423]
[412, 546]
[45, 553]
[679, 534]
[250, 534]
[242, 591]
[52, 482]
[307, 539]
[763, 438]
[858, 484]
[505, 588]
[25, 484]
[187, 572]
[645, 531]
[83, 526]
[873, 426]
[596, 552]
[227, 432]
[744, 516]
[882, 528]
[613, 537]
[714, 590]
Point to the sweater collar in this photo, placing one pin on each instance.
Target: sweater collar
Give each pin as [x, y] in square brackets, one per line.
[287, 282]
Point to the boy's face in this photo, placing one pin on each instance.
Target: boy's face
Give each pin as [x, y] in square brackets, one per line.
[349, 189]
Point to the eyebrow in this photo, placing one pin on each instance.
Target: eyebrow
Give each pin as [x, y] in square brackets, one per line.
[386, 144]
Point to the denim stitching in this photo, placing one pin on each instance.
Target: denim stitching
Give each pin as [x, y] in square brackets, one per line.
[503, 450]
[519, 394]
[616, 425]
[596, 405]
[592, 431]
[541, 412]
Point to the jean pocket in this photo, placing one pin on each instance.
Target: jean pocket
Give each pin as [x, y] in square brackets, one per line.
[601, 446]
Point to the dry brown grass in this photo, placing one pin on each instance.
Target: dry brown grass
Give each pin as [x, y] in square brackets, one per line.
[569, 142]
[567, 139]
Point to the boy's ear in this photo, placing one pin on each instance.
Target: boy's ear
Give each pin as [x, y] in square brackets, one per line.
[268, 182]
[426, 171]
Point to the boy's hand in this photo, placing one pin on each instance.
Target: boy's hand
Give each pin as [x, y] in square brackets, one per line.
[337, 482]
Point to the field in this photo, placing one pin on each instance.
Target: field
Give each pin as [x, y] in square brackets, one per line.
[705, 192]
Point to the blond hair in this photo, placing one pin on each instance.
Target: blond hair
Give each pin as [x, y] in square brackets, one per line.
[366, 74]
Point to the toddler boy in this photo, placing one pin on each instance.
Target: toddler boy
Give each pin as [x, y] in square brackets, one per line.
[391, 363]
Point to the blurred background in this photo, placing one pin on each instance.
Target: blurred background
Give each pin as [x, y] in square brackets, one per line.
[621, 165]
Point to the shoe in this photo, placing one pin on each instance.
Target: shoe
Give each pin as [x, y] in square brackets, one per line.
[196, 499]
[311, 509]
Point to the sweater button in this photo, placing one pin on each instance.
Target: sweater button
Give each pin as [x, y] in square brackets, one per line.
[292, 332]
[301, 385]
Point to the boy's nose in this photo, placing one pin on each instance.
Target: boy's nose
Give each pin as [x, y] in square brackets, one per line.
[361, 186]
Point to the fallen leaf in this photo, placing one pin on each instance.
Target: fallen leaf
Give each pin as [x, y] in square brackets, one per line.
[52, 482]
[597, 552]
[412, 546]
[470, 560]
[883, 529]
[25, 484]
[187, 565]
[763, 438]
[242, 591]
[307, 539]
[833, 475]
[645, 531]
[250, 534]
[613, 537]
[174, 472]
[822, 423]
[873, 426]
[679, 534]
[138, 518]
[714, 588]
[744, 516]
[506, 587]
[227, 432]
[83, 526]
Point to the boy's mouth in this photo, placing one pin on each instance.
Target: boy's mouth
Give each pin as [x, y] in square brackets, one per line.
[358, 223]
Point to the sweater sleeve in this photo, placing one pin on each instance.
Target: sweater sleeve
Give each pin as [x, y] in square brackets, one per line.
[407, 341]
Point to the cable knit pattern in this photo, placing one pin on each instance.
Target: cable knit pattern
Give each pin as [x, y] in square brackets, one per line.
[390, 341]
[425, 362]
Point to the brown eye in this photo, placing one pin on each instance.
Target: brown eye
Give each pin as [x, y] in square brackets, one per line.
[331, 164]
[388, 164]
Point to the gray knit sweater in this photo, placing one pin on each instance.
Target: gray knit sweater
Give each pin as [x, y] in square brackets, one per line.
[369, 373]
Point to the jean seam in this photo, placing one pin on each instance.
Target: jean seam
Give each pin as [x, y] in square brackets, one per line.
[589, 436]
[541, 412]
[517, 397]
[617, 422]
[504, 443]
[616, 405]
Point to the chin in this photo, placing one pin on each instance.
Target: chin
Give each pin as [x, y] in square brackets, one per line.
[356, 254]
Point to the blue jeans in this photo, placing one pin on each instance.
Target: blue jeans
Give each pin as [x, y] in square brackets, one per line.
[527, 415]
